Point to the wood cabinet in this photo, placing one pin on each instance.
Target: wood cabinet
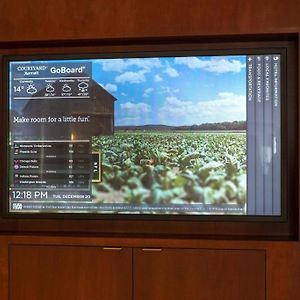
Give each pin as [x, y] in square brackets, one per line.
[69, 273]
[44, 272]
[199, 274]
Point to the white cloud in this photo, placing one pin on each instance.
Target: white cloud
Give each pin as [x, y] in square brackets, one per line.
[128, 121]
[167, 90]
[157, 78]
[110, 87]
[117, 64]
[227, 107]
[225, 95]
[215, 64]
[145, 63]
[172, 100]
[176, 91]
[191, 62]
[132, 77]
[121, 65]
[130, 108]
[171, 72]
[148, 91]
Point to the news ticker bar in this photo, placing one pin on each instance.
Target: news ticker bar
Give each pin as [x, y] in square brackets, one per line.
[78, 206]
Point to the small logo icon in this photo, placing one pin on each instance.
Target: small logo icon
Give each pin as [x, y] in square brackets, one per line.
[16, 164]
[16, 149]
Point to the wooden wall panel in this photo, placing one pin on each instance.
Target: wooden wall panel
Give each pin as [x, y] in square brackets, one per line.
[93, 19]
[282, 258]
[176, 274]
[283, 271]
[3, 269]
[64, 19]
[69, 273]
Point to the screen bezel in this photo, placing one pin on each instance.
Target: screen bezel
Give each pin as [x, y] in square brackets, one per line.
[288, 128]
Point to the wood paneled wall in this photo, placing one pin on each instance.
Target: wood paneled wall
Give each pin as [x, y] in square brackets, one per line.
[89, 19]
[282, 258]
[97, 19]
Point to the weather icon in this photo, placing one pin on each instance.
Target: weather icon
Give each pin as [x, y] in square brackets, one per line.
[66, 88]
[50, 88]
[83, 87]
[31, 89]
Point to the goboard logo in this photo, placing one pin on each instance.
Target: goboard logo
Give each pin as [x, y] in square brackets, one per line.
[65, 70]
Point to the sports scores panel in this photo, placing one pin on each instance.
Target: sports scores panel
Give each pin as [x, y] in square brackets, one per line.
[177, 135]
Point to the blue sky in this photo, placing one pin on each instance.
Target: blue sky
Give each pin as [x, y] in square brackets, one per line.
[175, 90]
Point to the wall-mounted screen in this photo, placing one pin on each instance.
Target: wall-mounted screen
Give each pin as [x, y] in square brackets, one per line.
[183, 134]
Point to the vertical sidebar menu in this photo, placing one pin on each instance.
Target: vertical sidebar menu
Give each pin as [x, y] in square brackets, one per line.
[263, 135]
[259, 134]
[251, 135]
[276, 136]
[267, 129]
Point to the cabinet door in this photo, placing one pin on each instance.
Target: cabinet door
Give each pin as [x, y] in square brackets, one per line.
[171, 274]
[70, 273]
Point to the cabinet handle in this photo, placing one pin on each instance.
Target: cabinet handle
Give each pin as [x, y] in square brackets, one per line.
[151, 249]
[113, 248]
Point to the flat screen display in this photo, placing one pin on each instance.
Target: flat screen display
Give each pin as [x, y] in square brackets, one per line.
[181, 134]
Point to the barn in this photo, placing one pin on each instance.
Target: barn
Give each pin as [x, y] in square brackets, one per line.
[79, 118]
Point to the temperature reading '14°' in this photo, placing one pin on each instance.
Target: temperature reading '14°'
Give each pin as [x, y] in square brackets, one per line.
[18, 89]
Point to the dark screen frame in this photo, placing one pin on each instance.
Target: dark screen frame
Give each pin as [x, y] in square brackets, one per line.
[274, 227]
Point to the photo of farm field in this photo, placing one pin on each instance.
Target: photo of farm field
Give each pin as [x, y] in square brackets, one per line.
[166, 168]
[178, 143]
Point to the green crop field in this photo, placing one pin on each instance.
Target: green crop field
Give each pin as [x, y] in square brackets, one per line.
[167, 167]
